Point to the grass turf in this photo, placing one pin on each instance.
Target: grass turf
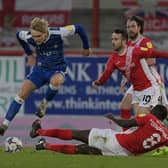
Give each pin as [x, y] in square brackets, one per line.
[29, 158]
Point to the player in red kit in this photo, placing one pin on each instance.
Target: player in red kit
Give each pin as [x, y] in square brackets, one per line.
[128, 60]
[135, 26]
[147, 132]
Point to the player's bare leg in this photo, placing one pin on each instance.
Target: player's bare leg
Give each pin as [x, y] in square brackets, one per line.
[27, 88]
[135, 108]
[143, 110]
[86, 149]
[126, 102]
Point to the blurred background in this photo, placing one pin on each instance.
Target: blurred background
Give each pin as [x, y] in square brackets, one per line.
[77, 105]
[99, 17]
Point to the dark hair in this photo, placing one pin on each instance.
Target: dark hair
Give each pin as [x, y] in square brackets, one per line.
[139, 21]
[122, 32]
[159, 111]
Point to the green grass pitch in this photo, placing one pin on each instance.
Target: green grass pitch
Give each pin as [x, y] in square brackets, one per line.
[30, 158]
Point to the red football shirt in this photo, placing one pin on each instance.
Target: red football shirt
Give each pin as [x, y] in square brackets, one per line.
[143, 41]
[150, 135]
[131, 65]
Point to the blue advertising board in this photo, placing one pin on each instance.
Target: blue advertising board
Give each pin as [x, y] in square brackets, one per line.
[77, 97]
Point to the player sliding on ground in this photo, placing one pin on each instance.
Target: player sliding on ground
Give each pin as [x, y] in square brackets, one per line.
[147, 132]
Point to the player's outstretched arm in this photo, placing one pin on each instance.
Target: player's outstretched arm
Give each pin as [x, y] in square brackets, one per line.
[70, 30]
[121, 122]
[150, 53]
[82, 33]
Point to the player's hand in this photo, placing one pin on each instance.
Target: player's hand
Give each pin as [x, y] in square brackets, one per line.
[95, 84]
[31, 60]
[86, 52]
[109, 116]
[122, 85]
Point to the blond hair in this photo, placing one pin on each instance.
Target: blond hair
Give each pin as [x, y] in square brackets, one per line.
[39, 24]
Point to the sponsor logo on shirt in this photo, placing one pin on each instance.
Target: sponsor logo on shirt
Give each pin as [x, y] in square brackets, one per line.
[149, 45]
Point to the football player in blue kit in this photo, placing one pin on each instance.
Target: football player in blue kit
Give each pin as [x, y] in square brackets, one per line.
[50, 65]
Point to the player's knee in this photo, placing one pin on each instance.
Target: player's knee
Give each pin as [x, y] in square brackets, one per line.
[125, 105]
[57, 80]
[85, 149]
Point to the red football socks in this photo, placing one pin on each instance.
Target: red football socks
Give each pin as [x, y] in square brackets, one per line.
[64, 134]
[62, 148]
[125, 114]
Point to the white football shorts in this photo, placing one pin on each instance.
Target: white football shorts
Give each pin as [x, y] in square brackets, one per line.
[105, 140]
[148, 97]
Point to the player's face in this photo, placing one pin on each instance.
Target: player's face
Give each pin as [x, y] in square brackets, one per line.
[133, 29]
[117, 42]
[38, 37]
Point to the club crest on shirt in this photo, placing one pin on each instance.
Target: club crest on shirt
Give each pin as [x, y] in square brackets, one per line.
[55, 46]
[149, 45]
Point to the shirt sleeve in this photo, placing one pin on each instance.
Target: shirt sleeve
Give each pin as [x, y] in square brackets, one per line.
[147, 44]
[22, 37]
[142, 52]
[110, 67]
[67, 30]
[75, 29]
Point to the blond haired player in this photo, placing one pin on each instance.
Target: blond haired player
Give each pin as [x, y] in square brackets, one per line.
[50, 64]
